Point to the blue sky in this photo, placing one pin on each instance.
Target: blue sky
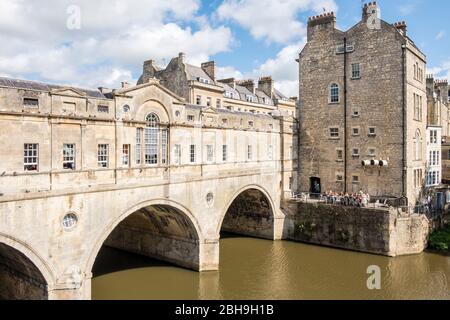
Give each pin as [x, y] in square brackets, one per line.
[247, 38]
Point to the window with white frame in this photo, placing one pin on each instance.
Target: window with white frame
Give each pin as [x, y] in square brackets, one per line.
[339, 154]
[334, 133]
[339, 177]
[164, 145]
[371, 152]
[334, 93]
[69, 156]
[355, 131]
[208, 102]
[31, 157]
[355, 152]
[190, 118]
[355, 179]
[139, 146]
[209, 153]
[177, 154]
[249, 98]
[224, 153]
[418, 146]
[198, 100]
[192, 154]
[372, 131]
[126, 155]
[356, 71]
[418, 103]
[151, 139]
[103, 155]
[433, 136]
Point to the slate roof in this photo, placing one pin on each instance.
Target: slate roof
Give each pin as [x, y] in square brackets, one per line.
[196, 72]
[40, 86]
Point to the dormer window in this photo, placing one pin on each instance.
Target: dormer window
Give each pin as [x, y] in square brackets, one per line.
[203, 80]
[229, 94]
[249, 98]
[190, 118]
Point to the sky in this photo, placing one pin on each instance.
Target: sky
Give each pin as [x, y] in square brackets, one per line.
[90, 44]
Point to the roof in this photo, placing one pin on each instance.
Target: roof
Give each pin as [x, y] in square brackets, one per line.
[196, 72]
[40, 86]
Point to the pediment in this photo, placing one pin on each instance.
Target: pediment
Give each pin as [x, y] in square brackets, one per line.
[151, 83]
[69, 92]
[209, 110]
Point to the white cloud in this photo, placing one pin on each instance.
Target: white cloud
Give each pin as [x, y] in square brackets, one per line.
[115, 38]
[440, 35]
[272, 20]
[228, 72]
[442, 71]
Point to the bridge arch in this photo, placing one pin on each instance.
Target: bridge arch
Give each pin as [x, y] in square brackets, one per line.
[250, 211]
[159, 228]
[23, 273]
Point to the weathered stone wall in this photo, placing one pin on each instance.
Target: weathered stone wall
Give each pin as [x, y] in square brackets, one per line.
[17, 286]
[375, 231]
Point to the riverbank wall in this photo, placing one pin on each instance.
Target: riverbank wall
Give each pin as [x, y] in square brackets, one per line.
[378, 231]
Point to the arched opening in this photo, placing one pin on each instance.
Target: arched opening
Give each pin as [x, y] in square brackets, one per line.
[250, 214]
[157, 231]
[20, 279]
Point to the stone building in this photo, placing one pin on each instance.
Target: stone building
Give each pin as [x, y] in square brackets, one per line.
[439, 117]
[59, 137]
[362, 108]
[200, 88]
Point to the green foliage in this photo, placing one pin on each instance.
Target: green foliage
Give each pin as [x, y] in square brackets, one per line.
[440, 239]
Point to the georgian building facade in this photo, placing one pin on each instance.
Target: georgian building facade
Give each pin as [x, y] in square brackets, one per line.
[58, 138]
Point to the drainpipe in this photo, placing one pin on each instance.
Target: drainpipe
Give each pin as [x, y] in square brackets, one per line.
[404, 195]
[345, 115]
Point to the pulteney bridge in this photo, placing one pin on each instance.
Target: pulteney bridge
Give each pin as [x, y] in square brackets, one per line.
[54, 222]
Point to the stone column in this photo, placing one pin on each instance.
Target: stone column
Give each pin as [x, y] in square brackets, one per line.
[209, 255]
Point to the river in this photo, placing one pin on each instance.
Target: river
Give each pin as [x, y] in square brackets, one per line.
[261, 269]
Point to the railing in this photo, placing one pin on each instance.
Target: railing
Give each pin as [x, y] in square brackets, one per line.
[374, 203]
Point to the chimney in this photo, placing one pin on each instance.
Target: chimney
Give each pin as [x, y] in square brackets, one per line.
[266, 85]
[210, 69]
[401, 27]
[230, 81]
[442, 89]
[249, 84]
[371, 9]
[320, 22]
[181, 58]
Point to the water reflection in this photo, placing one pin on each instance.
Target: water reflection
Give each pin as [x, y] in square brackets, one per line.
[261, 269]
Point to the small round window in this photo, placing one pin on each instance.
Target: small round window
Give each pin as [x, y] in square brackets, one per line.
[209, 198]
[177, 113]
[126, 108]
[69, 221]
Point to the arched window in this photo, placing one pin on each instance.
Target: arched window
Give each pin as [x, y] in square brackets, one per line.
[334, 93]
[151, 139]
[418, 146]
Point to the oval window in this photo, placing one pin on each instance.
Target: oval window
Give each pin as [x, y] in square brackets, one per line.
[69, 221]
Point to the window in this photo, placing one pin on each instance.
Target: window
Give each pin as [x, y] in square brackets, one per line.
[334, 133]
[371, 152]
[218, 103]
[355, 131]
[69, 221]
[224, 153]
[31, 157]
[138, 146]
[334, 93]
[291, 183]
[270, 152]
[355, 152]
[199, 100]
[249, 98]
[418, 178]
[339, 177]
[356, 72]
[177, 154]
[209, 153]
[31, 102]
[126, 154]
[372, 131]
[433, 137]
[270, 126]
[164, 145]
[192, 155]
[418, 146]
[151, 139]
[190, 118]
[69, 156]
[340, 154]
[224, 121]
[126, 108]
[249, 153]
[418, 107]
[102, 109]
[103, 155]
[208, 102]
[355, 179]
[229, 94]
[355, 113]
[251, 123]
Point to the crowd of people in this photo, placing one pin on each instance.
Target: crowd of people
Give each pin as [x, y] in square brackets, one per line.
[360, 199]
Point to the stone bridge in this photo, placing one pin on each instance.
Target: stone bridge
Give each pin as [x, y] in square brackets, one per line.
[173, 220]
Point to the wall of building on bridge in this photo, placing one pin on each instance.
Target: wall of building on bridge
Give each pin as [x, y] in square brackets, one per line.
[109, 141]
[164, 198]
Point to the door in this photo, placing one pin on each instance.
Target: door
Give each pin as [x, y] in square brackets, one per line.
[315, 185]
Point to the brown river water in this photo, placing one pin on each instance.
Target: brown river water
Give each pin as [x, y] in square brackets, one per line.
[261, 269]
